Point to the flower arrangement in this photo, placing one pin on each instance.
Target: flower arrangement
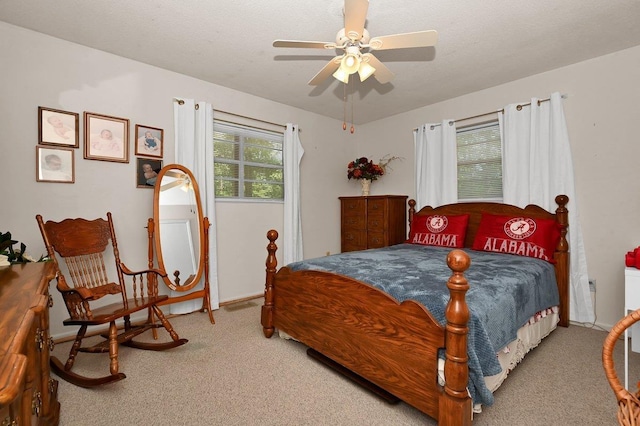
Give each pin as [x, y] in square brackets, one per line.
[363, 168]
[8, 255]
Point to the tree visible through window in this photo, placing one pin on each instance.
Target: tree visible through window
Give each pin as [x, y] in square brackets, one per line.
[248, 163]
[479, 162]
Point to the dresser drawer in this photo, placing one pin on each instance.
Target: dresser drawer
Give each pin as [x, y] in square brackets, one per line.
[376, 239]
[376, 208]
[353, 207]
[376, 223]
[353, 222]
[355, 238]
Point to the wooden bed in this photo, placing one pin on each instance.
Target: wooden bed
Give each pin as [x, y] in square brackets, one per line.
[395, 345]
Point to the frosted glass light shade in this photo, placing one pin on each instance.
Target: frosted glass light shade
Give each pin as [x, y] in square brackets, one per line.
[365, 71]
[350, 63]
[341, 75]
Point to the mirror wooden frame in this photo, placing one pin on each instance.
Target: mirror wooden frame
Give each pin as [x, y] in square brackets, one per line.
[155, 246]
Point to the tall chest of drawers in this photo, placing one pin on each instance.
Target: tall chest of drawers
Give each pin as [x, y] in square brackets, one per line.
[28, 393]
[372, 221]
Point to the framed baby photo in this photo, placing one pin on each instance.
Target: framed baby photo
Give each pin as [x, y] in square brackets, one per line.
[148, 170]
[106, 138]
[55, 164]
[57, 127]
[149, 141]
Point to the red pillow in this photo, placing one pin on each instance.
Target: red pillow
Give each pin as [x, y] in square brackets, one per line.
[439, 230]
[521, 236]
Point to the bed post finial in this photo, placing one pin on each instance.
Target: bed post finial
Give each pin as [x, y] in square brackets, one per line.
[412, 210]
[271, 263]
[455, 403]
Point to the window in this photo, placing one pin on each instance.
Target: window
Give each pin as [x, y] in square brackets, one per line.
[248, 162]
[479, 162]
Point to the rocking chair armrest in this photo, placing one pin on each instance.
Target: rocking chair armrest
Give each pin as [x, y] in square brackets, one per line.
[128, 271]
[83, 293]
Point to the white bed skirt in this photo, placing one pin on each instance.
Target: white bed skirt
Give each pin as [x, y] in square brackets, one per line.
[529, 336]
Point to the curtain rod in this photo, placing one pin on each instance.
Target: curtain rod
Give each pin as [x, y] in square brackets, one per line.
[500, 111]
[181, 102]
[249, 126]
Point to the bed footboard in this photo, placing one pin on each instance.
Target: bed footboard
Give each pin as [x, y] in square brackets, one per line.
[393, 345]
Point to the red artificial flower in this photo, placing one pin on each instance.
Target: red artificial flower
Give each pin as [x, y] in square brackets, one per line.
[363, 168]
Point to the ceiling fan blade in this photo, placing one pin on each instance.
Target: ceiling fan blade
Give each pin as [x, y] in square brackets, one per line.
[355, 14]
[382, 73]
[403, 41]
[304, 44]
[174, 174]
[171, 185]
[326, 71]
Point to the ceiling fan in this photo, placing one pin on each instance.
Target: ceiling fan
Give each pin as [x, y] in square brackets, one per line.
[356, 42]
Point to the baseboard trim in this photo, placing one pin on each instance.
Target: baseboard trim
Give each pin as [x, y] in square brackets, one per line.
[241, 300]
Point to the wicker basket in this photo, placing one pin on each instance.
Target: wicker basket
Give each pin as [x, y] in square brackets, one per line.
[628, 403]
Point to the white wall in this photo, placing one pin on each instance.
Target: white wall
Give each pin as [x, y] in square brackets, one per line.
[602, 116]
[38, 70]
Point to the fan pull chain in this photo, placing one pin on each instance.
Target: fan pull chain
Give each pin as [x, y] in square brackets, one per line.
[344, 103]
[353, 129]
[345, 100]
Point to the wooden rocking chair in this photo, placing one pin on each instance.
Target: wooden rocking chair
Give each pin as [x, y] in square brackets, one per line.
[628, 403]
[83, 244]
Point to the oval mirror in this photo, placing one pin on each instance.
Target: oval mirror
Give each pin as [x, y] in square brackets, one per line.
[178, 227]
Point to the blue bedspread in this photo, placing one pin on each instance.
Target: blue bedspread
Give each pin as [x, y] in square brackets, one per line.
[504, 292]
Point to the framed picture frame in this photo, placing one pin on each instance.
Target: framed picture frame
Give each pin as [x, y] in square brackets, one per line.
[106, 138]
[147, 171]
[55, 164]
[149, 141]
[57, 127]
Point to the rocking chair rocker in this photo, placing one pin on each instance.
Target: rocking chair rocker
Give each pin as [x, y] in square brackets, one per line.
[82, 244]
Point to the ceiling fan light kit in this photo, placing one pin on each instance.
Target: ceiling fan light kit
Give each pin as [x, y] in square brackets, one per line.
[356, 43]
[352, 62]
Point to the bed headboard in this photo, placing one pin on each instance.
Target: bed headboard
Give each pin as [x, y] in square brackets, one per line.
[475, 210]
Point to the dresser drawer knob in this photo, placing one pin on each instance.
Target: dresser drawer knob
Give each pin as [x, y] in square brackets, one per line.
[36, 404]
[8, 421]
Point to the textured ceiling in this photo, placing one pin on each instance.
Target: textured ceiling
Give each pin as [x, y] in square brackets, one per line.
[481, 43]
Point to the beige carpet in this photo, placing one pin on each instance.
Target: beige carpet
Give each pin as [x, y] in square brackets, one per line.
[230, 374]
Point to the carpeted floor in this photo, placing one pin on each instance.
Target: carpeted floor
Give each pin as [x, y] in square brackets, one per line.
[230, 374]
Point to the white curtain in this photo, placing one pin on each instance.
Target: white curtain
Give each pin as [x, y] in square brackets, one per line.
[537, 166]
[292, 238]
[193, 125]
[436, 164]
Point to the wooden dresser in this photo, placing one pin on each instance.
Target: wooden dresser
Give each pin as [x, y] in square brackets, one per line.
[372, 221]
[28, 394]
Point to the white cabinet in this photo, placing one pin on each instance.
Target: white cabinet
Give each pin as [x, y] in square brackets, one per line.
[631, 303]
